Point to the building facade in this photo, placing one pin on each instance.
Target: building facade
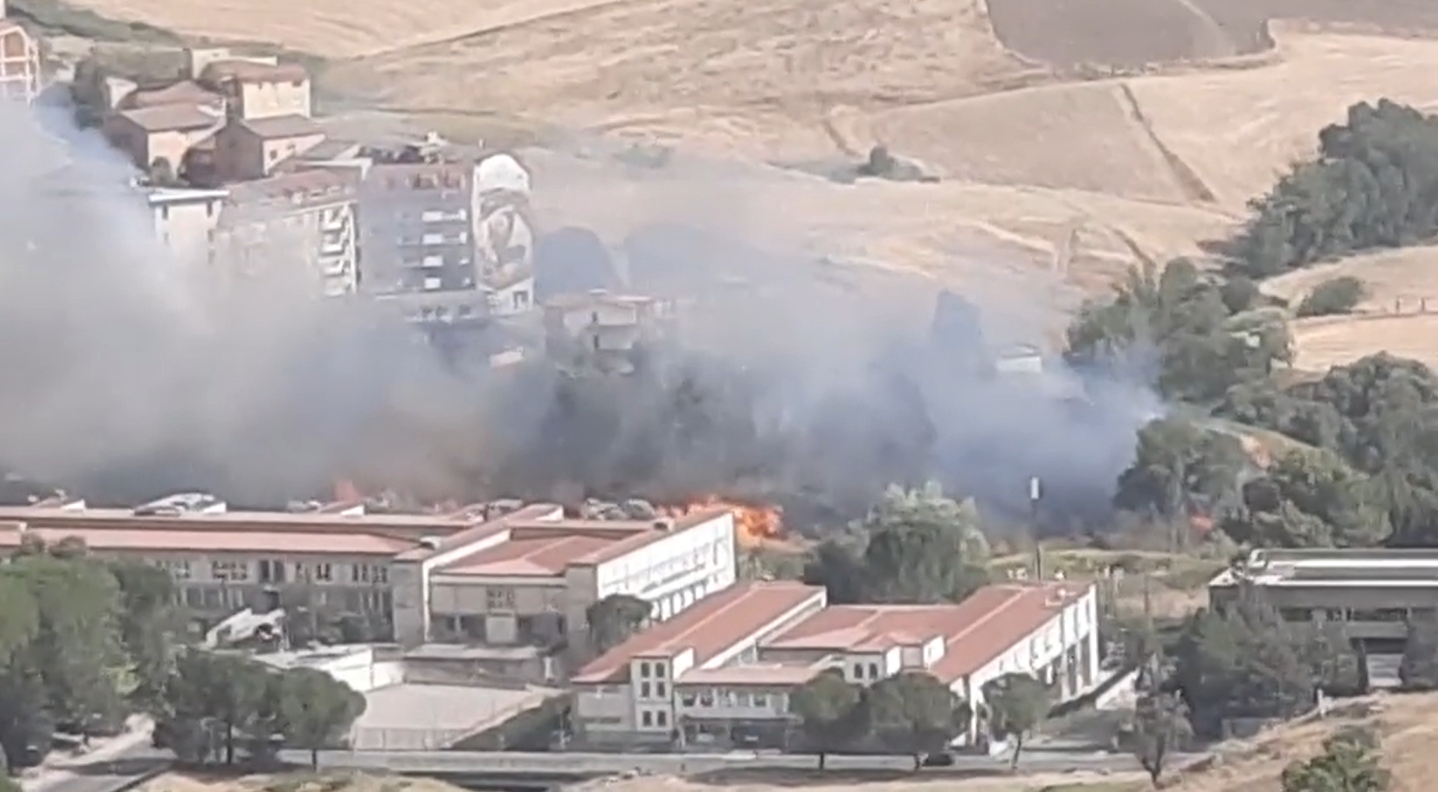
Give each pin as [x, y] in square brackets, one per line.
[519, 580]
[1372, 593]
[305, 220]
[600, 331]
[185, 220]
[726, 668]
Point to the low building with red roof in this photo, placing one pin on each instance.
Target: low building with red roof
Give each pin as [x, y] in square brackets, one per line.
[729, 664]
[520, 581]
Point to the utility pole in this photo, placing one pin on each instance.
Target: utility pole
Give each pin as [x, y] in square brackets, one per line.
[1035, 492]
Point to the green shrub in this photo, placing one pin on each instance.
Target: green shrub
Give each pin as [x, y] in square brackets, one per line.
[1335, 296]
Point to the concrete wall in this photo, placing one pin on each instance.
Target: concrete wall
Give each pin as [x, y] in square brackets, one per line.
[270, 99]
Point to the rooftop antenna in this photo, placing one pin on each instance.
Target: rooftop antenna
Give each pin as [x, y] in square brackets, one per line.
[1036, 492]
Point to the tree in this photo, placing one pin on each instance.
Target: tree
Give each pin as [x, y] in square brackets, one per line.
[923, 547]
[831, 712]
[614, 619]
[1419, 667]
[316, 710]
[1160, 727]
[1177, 466]
[1177, 329]
[915, 713]
[1349, 763]
[147, 619]
[1334, 296]
[1311, 498]
[1245, 661]
[224, 690]
[1372, 185]
[1017, 704]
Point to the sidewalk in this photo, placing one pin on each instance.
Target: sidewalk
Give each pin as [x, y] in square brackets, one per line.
[57, 767]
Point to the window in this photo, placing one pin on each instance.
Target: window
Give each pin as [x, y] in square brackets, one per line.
[660, 690]
[706, 698]
[230, 570]
[644, 669]
[324, 572]
[1296, 614]
[272, 571]
[761, 700]
[873, 670]
[687, 699]
[858, 670]
[661, 718]
[644, 690]
[659, 670]
[647, 718]
[274, 155]
[499, 598]
[179, 570]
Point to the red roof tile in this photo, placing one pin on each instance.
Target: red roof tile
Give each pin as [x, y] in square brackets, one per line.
[975, 631]
[200, 541]
[411, 526]
[537, 556]
[709, 627]
[741, 675]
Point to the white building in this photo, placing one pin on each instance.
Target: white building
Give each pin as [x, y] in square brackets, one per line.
[728, 665]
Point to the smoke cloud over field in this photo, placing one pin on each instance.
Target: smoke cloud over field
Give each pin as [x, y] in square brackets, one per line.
[129, 374]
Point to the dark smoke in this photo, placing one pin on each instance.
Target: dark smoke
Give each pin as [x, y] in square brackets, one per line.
[131, 374]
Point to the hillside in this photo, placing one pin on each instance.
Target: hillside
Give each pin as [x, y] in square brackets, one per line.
[1054, 181]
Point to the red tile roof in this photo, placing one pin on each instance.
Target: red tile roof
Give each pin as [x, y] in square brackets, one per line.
[180, 540]
[760, 675]
[406, 526]
[709, 627]
[974, 631]
[536, 556]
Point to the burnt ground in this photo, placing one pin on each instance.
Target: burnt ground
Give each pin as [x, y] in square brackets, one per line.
[1135, 32]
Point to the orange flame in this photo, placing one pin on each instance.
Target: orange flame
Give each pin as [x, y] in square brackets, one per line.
[755, 524]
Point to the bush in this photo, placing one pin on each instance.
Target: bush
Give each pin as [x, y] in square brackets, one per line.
[1331, 297]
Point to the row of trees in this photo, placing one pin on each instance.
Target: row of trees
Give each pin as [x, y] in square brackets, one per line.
[214, 705]
[914, 713]
[85, 641]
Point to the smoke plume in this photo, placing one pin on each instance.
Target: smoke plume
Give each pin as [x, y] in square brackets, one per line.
[131, 373]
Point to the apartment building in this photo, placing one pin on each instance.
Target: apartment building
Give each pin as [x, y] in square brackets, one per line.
[516, 580]
[185, 220]
[305, 220]
[728, 665]
[449, 241]
[19, 61]
[417, 236]
[1371, 592]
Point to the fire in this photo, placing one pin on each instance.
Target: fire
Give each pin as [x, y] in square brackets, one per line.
[755, 524]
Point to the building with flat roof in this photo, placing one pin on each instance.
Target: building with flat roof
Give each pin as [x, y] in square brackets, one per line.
[19, 61]
[1372, 592]
[728, 664]
[522, 579]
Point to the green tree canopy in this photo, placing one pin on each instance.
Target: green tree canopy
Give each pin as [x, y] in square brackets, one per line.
[1179, 466]
[915, 713]
[1374, 184]
[1161, 728]
[614, 619]
[832, 713]
[316, 710]
[1017, 704]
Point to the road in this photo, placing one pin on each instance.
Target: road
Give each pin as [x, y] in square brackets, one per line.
[126, 768]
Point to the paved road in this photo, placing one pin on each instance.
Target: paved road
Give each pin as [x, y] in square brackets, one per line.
[444, 762]
[125, 768]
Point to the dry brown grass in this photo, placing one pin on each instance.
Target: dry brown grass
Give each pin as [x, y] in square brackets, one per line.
[1238, 130]
[1051, 189]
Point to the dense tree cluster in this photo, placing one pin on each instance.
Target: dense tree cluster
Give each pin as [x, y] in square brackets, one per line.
[914, 713]
[915, 546]
[1374, 184]
[1245, 661]
[86, 641]
[1191, 334]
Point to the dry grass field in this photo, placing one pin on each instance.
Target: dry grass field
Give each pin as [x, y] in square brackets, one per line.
[1050, 185]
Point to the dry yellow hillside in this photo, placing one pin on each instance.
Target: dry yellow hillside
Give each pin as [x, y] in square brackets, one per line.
[1238, 130]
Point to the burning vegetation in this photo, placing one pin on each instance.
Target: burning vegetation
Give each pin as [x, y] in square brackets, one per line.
[754, 524]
